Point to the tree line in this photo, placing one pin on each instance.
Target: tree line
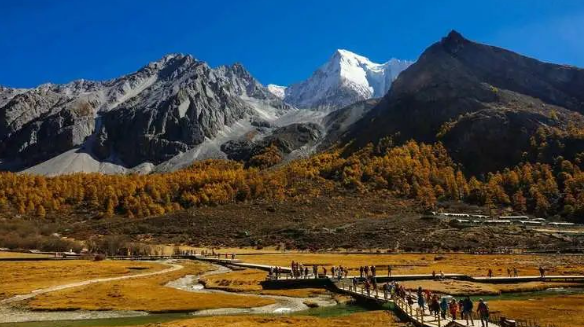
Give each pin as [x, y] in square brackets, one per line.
[424, 172]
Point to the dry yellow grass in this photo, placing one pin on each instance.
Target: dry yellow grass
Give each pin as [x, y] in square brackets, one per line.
[143, 294]
[474, 265]
[23, 277]
[564, 311]
[455, 287]
[248, 280]
[18, 255]
[366, 319]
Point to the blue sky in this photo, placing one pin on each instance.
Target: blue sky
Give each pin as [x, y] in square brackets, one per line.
[278, 41]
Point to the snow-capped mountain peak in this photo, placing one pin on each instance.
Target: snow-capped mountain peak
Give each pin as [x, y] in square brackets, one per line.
[344, 79]
[277, 90]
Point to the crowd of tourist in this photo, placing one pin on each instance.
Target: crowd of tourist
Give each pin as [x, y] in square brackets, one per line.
[514, 272]
[366, 283]
[213, 254]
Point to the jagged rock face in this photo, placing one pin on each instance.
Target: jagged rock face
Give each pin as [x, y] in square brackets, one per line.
[345, 79]
[189, 102]
[287, 139]
[38, 124]
[493, 99]
[163, 109]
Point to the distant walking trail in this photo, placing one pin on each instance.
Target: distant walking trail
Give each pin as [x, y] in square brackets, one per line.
[22, 297]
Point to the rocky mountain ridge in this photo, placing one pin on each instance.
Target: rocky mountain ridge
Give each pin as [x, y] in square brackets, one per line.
[489, 106]
[486, 104]
[162, 117]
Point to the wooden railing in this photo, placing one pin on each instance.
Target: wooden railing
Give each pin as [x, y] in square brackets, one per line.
[418, 315]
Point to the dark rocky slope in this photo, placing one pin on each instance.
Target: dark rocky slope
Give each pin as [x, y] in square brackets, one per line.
[485, 103]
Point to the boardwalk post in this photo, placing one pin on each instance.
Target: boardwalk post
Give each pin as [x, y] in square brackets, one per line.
[422, 316]
[438, 320]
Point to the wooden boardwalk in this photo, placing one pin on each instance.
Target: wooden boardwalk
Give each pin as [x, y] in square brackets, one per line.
[417, 315]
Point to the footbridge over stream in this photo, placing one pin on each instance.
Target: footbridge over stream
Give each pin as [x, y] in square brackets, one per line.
[420, 317]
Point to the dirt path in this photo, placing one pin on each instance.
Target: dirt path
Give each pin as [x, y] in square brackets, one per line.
[10, 314]
[22, 297]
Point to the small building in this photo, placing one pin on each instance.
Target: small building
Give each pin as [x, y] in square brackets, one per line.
[514, 218]
[497, 222]
[531, 222]
[560, 224]
[460, 215]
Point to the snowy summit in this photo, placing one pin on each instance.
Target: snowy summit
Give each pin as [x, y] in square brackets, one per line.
[277, 90]
[346, 78]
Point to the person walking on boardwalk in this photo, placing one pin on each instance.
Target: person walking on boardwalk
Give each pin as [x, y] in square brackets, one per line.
[367, 287]
[421, 300]
[427, 295]
[366, 271]
[333, 271]
[305, 272]
[461, 308]
[467, 310]
[373, 271]
[388, 270]
[490, 273]
[483, 311]
[355, 283]
[509, 272]
[443, 307]
[315, 271]
[410, 299]
[361, 270]
[541, 272]
[435, 306]
[324, 271]
[515, 272]
[453, 306]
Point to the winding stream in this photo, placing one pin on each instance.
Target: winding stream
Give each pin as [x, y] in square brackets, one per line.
[10, 316]
[284, 304]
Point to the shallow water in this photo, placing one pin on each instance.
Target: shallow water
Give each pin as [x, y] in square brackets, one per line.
[336, 311]
[324, 312]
